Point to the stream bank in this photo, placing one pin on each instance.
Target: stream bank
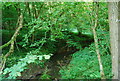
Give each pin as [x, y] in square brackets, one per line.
[51, 67]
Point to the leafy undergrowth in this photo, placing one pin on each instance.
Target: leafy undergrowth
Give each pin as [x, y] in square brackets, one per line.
[84, 65]
[15, 71]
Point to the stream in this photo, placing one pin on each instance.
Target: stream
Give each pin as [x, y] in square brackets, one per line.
[57, 62]
[60, 58]
[52, 67]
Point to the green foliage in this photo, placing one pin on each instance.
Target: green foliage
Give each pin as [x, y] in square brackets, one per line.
[45, 24]
[86, 66]
[45, 76]
[16, 69]
[6, 35]
[86, 61]
[9, 21]
[54, 21]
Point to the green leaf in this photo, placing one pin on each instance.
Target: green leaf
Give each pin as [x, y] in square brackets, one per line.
[47, 56]
[40, 57]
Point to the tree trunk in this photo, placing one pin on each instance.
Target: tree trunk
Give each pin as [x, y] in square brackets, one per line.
[113, 23]
[119, 40]
[96, 5]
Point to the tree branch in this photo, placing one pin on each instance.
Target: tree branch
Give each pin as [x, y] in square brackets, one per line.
[2, 64]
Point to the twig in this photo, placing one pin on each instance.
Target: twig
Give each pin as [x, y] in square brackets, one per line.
[17, 46]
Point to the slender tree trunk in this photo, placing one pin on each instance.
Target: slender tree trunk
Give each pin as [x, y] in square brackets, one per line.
[34, 11]
[113, 23]
[96, 40]
[28, 8]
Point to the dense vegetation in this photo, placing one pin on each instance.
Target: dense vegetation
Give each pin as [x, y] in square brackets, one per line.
[56, 40]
